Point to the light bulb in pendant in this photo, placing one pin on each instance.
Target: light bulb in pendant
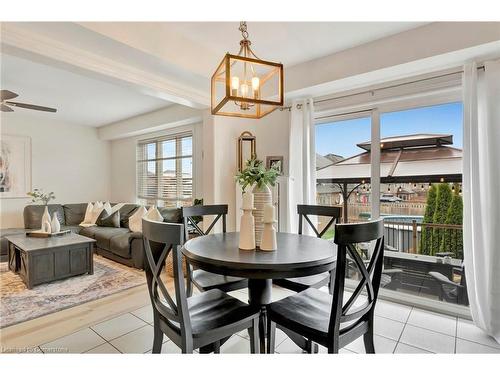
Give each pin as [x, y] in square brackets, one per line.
[244, 90]
[255, 83]
[235, 85]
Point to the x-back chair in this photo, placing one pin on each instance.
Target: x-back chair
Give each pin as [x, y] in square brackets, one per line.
[298, 284]
[326, 319]
[204, 280]
[203, 321]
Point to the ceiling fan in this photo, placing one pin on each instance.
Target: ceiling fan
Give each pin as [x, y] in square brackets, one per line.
[6, 104]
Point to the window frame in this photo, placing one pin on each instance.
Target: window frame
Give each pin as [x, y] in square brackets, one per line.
[141, 147]
[376, 108]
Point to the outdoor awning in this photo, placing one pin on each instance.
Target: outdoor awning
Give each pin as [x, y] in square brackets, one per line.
[419, 164]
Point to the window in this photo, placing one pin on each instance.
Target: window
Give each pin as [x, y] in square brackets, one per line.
[420, 195]
[165, 170]
[422, 208]
[341, 167]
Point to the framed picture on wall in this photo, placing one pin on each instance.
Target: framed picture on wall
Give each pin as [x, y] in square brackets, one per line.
[275, 161]
[15, 166]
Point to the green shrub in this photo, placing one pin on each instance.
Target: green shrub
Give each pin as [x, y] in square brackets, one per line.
[426, 233]
[443, 201]
[452, 240]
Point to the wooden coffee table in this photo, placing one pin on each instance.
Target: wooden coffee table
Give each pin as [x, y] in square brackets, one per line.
[41, 260]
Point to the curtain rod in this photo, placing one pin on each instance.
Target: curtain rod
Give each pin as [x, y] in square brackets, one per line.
[299, 106]
[345, 113]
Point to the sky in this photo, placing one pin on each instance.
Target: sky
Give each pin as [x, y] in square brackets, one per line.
[341, 137]
[169, 150]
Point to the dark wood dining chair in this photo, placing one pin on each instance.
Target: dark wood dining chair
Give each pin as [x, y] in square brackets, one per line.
[298, 284]
[203, 321]
[204, 280]
[324, 318]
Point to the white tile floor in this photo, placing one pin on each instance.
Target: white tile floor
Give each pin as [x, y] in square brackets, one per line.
[398, 329]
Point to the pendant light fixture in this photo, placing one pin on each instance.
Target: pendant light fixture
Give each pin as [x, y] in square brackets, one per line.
[244, 85]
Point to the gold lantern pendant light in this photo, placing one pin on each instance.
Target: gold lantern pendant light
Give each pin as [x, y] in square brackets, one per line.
[244, 85]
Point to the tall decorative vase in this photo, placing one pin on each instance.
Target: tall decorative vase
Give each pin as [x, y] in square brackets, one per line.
[269, 240]
[45, 216]
[46, 226]
[247, 230]
[262, 196]
[247, 223]
[55, 225]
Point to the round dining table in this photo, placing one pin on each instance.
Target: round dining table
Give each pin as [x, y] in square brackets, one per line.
[296, 256]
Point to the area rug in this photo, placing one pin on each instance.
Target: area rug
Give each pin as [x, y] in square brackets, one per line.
[18, 304]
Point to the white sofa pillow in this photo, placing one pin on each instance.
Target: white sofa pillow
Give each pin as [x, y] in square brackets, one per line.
[154, 215]
[135, 220]
[88, 214]
[96, 211]
[107, 207]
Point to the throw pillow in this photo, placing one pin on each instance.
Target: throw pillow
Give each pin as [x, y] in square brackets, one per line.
[116, 207]
[171, 215]
[154, 215]
[107, 207]
[135, 220]
[111, 220]
[125, 212]
[96, 211]
[88, 214]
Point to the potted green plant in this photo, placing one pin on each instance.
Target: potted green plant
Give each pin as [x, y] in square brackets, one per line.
[255, 174]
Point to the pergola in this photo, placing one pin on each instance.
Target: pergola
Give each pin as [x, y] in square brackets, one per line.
[415, 158]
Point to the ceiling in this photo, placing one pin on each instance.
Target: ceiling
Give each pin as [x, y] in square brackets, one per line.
[97, 73]
[79, 99]
[199, 46]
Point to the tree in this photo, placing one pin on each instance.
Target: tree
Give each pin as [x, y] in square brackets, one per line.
[426, 234]
[452, 240]
[443, 201]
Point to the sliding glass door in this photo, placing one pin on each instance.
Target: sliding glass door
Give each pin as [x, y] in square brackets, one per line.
[421, 202]
[404, 166]
[344, 168]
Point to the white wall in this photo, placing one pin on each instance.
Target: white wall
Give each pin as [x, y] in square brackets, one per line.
[166, 118]
[66, 158]
[432, 47]
[215, 141]
[123, 163]
[220, 147]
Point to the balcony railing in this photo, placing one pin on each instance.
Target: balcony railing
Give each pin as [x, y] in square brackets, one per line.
[439, 239]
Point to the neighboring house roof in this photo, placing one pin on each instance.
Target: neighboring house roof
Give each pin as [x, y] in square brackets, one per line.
[335, 158]
[428, 161]
[327, 160]
[322, 161]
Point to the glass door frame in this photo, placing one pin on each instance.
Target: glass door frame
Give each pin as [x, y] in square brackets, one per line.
[374, 112]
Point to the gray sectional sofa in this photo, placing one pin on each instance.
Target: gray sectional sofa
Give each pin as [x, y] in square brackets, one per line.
[118, 244]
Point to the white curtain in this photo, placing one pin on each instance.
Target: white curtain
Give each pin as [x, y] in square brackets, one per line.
[302, 161]
[481, 191]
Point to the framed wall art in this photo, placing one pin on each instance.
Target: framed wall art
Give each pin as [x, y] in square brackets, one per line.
[15, 166]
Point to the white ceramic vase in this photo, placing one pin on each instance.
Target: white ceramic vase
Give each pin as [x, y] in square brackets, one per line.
[262, 197]
[55, 225]
[45, 217]
[269, 242]
[46, 228]
[247, 230]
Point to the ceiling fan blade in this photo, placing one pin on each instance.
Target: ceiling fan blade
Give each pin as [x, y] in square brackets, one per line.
[6, 95]
[31, 106]
[4, 108]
